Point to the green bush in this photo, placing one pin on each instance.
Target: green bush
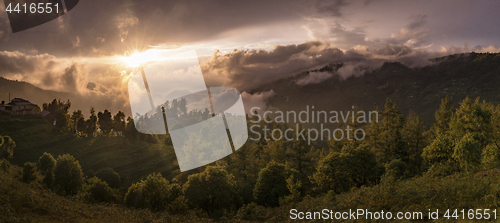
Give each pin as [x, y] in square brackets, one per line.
[271, 185]
[29, 172]
[98, 191]
[7, 146]
[68, 175]
[355, 166]
[46, 163]
[48, 179]
[154, 193]
[212, 190]
[252, 212]
[396, 169]
[110, 176]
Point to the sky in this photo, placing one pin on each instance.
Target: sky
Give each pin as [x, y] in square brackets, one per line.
[93, 49]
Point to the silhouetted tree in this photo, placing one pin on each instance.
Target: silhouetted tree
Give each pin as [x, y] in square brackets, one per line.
[119, 122]
[59, 109]
[68, 175]
[77, 120]
[91, 123]
[105, 122]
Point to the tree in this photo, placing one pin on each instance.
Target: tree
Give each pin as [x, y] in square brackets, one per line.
[413, 137]
[155, 193]
[211, 190]
[77, 121]
[105, 122]
[46, 163]
[29, 172]
[271, 185]
[110, 176]
[353, 167]
[7, 146]
[119, 122]
[244, 165]
[130, 131]
[99, 191]
[68, 175]
[467, 152]
[396, 169]
[443, 117]
[59, 109]
[302, 157]
[391, 138]
[385, 137]
[91, 123]
[460, 146]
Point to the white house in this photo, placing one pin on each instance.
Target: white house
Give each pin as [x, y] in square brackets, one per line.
[19, 107]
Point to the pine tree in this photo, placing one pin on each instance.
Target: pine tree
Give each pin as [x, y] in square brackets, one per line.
[414, 140]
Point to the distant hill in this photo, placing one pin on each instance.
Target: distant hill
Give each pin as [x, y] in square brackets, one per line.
[419, 89]
[38, 96]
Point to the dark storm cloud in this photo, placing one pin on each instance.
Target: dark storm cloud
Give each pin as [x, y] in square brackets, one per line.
[96, 27]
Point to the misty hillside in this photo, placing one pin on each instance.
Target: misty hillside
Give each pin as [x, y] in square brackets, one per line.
[419, 89]
[38, 96]
[20, 89]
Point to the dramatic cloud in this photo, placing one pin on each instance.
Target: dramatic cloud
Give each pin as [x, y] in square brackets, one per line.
[44, 71]
[247, 69]
[272, 40]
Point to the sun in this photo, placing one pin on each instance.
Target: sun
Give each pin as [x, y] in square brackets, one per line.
[139, 58]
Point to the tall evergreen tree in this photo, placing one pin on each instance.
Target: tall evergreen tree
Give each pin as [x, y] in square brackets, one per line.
[413, 136]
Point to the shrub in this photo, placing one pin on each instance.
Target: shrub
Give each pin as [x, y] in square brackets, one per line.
[7, 146]
[251, 212]
[355, 166]
[396, 169]
[155, 193]
[211, 190]
[99, 191]
[109, 176]
[68, 176]
[46, 163]
[48, 179]
[271, 185]
[29, 172]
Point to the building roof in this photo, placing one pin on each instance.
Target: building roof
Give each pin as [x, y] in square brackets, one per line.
[20, 101]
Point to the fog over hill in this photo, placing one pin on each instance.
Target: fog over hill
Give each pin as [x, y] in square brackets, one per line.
[419, 89]
[337, 86]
